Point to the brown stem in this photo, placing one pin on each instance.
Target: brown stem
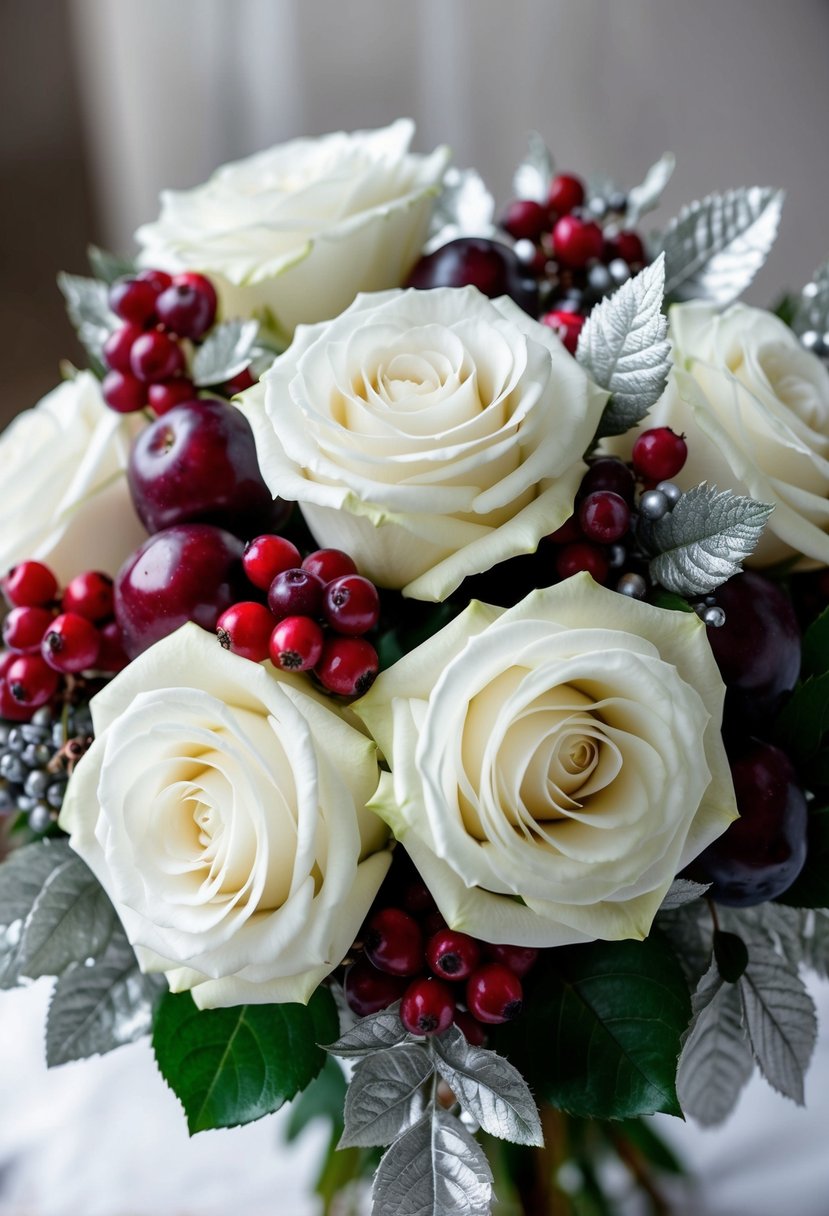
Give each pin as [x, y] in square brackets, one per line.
[538, 1189]
[636, 1163]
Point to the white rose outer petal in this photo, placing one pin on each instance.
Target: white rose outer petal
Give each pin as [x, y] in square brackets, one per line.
[618, 702]
[227, 822]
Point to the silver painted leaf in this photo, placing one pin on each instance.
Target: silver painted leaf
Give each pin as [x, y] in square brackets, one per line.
[682, 891]
[646, 196]
[23, 877]
[88, 308]
[377, 1032]
[97, 1008]
[780, 1018]
[812, 307]
[689, 934]
[816, 942]
[108, 266]
[624, 349]
[702, 542]
[489, 1088]
[227, 350]
[464, 208]
[533, 176]
[385, 1095]
[434, 1169]
[775, 925]
[72, 920]
[714, 247]
[716, 1061]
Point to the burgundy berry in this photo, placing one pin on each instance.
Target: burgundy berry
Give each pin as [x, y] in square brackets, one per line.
[239, 383]
[11, 710]
[628, 246]
[433, 922]
[296, 644]
[580, 556]
[569, 531]
[393, 942]
[23, 628]
[519, 959]
[156, 356]
[30, 584]
[348, 666]
[470, 1028]
[71, 643]
[118, 347]
[186, 309]
[567, 325]
[452, 955]
[166, 394]
[329, 564]
[604, 517]
[31, 681]
[478, 262]
[566, 193]
[199, 283]
[133, 299]
[245, 629]
[89, 594]
[417, 898]
[158, 279]
[351, 605]
[609, 473]
[296, 592]
[368, 990]
[576, 242]
[427, 1007]
[494, 994]
[112, 657]
[266, 556]
[525, 219]
[123, 392]
[659, 454]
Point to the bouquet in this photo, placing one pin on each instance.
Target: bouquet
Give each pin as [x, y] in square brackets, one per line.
[389, 723]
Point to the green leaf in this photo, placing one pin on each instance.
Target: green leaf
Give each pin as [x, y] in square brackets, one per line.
[108, 266]
[601, 1030]
[667, 599]
[815, 652]
[811, 887]
[323, 1099]
[231, 1066]
[804, 721]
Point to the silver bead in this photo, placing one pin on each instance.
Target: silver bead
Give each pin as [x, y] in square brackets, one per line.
[40, 817]
[599, 278]
[524, 250]
[633, 585]
[671, 491]
[713, 616]
[619, 270]
[653, 505]
[810, 339]
[598, 207]
[617, 556]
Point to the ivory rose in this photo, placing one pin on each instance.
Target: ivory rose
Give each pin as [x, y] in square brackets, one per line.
[293, 233]
[553, 766]
[430, 434]
[223, 809]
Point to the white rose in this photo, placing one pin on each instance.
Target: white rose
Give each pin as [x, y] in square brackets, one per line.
[754, 406]
[223, 810]
[63, 491]
[293, 233]
[555, 765]
[431, 434]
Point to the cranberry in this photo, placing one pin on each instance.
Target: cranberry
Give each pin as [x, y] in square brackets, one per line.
[158, 279]
[659, 454]
[133, 299]
[296, 644]
[494, 994]
[525, 219]
[478, 262]
[567, 325]
[604, 517]
[71, 643]
[89, 594]
[348, 666]
[243, 380]
[245, 628]
[427, 1007]
[296, 592]
[566, 193]
[11, 710]
[519, 959]
[393, 942]
[628, 246]
[23, 628]
[112, 657]
[417, 898]
[166, 394]
[123, 392]
[156, 356]
[329, 564]
[569, 531]
[118, 347]
[470, 1028]
[575, 558]
[31, 681]
[609, 473]
[452, 955]
[576, 242]
[351, 605]
[30, 584]
[188, 306]
[266, 556]
[368, 990]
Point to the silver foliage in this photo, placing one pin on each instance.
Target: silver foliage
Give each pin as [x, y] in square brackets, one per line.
[776, 925]
[464, 208]
[714, 247]
[434, 1169]
[23, 877]
[88, 308]
[624, 349]
[812, 307]
[716, 1061]
[689, 932]
[816, 942]
[704, 539]
[780, 1018]
[227, 351]
[377, 1032]
[533, 176]
[646, 196]
[71, 920]
[682, 891]
[385, 1095]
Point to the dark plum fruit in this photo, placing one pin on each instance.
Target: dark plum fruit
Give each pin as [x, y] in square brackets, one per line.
[473, 261]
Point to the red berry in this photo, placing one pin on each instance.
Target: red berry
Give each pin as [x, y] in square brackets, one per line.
[158, 279]
[11, 710]
[568, 326]
[427, 1007]
[470, 1028]
[245, 629]
[609, 473]
[433, 922]
[31, 681]
[296, 592]
[575, 558]
[452, 955]
[569, 531]
[393, 942]
[267, 556]
[187, 307]
[628, 246]
[71, 643]
[23, 628]
[604, 517]
[123, 393]
[112, 657]
[348, 666]
[368, 990]
[566, 192]
[329, 564]
[351, 605]
[296, 644]
[525, 219]
[89, 594]
[519, 959]
[30, 584]
[156, 356]
[417, 898]
[494, 994]
[239, 383]
[133, 299]
[118, 346]
[577, 242]
[659, 454]
[163, 396]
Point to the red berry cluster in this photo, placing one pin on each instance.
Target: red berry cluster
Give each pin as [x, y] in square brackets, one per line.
[146, 361]
[317, 611]
[48, 635]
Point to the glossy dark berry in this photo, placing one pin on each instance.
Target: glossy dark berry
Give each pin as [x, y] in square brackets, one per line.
[266, 556]
[452, 955]
[477, 262]
[494, 994]
[118, 347]
[239, 383]
[245, 629]
[427, 1007]
[296, 592]
[158, 279]
[659, 454]
[577, 242]
[89, 594]
[23, 628]
[566, 193]
[351, 605]
[187, 307]
[519, 959]
[123, 392]
[155, 356]
[166, 394]
[417, 898]
[296, 644]
[393, 942]
[348, 666]
[567, 325]
[604, 517]
[569, 531]
[581, 556]
[71, 643]
[31, 680]
[329, 564]
[30, 584]
[525, 219]
[368, 990]
[111, 657]
[11, 710]
[133, 300]
[609, 473]
[628, 246]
